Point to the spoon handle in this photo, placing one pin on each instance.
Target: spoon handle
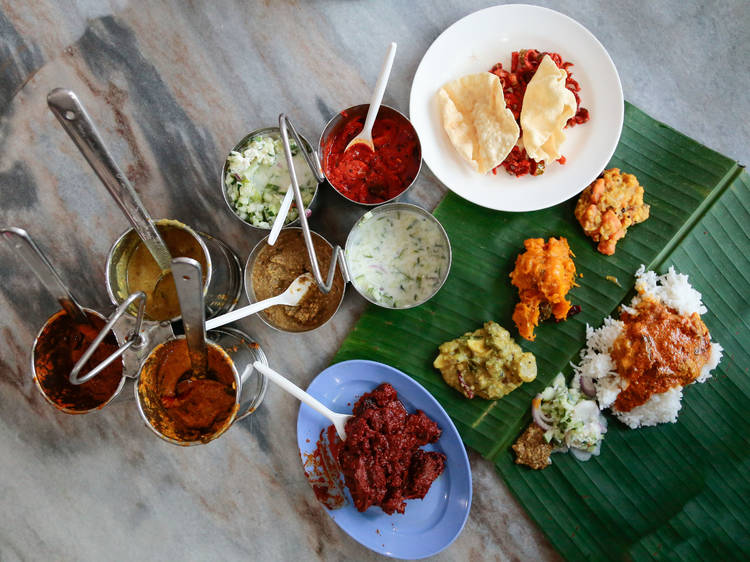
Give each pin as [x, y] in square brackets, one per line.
[242, 312]
[278, 224]
[377, 95]
[27, 250]
[189, 283]
[77, 123]
[295, 391]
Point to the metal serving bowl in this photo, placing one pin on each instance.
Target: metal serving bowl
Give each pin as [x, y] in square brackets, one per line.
[268, 131]
[343, 117]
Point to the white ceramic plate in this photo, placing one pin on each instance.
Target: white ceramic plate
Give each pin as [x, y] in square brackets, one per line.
[474, 44]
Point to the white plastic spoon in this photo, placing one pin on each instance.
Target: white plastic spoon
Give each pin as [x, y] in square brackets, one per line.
[365, 136]
[291, 297]
[338, 420]
[281, 217]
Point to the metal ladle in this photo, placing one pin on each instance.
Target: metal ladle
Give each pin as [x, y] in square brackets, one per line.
[188, 279]
[79, 126]
[27, 250]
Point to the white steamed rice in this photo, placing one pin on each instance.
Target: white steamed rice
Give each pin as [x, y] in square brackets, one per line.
[673, 290]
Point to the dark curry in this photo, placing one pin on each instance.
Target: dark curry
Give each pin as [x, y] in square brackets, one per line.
[61, 343]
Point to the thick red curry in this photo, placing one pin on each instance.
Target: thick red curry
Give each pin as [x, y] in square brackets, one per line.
[371, 177]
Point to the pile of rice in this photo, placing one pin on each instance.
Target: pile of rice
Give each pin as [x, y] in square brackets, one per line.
[672, 290]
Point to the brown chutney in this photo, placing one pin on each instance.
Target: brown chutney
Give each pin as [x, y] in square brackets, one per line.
[275, 267]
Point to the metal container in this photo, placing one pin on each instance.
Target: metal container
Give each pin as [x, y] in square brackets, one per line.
[249, 291]
[222, 276]
[310, 156]
[242, 352]
[119, 361]
[339, 120]
[390, 208]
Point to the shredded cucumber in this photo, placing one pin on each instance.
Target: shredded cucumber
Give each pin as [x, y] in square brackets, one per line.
[257, 178]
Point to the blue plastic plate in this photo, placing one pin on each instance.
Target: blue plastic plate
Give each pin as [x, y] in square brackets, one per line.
[428, 525]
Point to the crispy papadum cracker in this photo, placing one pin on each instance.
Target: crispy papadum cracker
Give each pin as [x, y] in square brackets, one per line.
[481, 128]
[547, 106]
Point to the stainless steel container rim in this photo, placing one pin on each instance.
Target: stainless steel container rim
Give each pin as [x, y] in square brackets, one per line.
[262, 242]
[148, 422]
[420, 210]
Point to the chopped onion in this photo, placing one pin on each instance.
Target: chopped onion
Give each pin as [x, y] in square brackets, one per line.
[587, 386]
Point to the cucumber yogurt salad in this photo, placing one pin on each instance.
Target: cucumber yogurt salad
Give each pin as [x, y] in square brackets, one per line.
[256, 179]
[398, 256]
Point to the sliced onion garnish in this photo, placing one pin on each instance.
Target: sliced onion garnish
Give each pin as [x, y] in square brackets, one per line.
[587, 386]
[536, 413]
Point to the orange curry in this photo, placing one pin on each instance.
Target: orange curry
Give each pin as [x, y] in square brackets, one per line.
[544, 274]
[658, 350]
[182, 406]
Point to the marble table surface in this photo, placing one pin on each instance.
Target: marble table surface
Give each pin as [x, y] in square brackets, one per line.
[173, 85]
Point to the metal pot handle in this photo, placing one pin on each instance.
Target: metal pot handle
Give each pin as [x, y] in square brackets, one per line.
[133, 339]
[337, 258]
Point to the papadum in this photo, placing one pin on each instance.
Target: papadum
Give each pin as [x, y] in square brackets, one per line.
[547, 106]
[478, 124]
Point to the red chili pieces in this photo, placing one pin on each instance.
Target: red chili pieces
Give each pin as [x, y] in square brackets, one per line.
[371, 177]
[381, 459]
[523, 66]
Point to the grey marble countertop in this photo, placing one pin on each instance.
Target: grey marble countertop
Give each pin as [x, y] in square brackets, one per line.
[173, 85]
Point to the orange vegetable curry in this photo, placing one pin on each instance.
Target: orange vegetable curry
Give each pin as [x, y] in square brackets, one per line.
[544, 274]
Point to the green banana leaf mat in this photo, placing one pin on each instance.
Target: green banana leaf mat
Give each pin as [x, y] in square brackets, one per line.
[675, 491]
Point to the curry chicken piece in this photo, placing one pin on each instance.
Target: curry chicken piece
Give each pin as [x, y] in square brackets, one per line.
[544, 274]
[608, 206]
[658, 349]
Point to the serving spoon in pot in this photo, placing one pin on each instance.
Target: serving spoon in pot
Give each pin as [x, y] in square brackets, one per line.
[188, 280]
[338, 420]
[71, 114]
[29, 252]
[365, 135]
[291, 297]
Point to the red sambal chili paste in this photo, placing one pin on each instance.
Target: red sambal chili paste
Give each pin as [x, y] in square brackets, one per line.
[523, 66]
[60, 345]
[381, 458]
[371, 177]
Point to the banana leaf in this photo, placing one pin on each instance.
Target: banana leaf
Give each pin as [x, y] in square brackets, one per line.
[672, 491]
